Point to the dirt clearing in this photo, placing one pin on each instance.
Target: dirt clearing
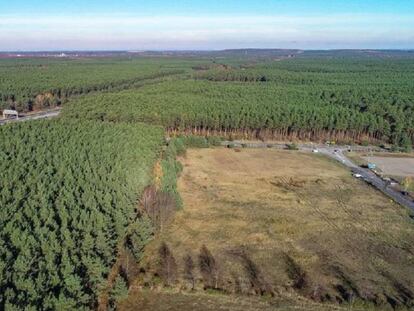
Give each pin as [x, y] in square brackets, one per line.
[275, 223]
[394, 166]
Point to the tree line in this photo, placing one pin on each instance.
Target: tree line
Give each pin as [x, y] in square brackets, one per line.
[262, 109]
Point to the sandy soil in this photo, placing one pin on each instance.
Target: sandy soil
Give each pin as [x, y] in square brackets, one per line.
[394, 166]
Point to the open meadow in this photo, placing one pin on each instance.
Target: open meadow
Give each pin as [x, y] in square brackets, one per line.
[281, 223]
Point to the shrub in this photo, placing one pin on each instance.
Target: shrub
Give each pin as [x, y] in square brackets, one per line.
[118, 292]
[292, 146]
[214, 140]
[195, 141]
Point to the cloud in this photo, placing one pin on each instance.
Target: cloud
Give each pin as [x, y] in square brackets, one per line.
[203, 32]
[177, 21]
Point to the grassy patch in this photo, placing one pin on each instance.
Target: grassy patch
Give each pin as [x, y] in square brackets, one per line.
[284, 222]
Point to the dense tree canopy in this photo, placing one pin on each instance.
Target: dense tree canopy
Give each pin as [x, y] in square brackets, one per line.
[356, 99]
[68, 190]
[29, 84]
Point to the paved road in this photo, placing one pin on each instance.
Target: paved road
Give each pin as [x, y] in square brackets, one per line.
[369, 176]
[33, 116]
[337, 153]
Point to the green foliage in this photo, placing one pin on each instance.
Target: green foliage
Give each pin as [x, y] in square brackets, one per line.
[68, 190]
[21, 81]
[69, 187]
[120, 289]
[192, 141]
[195, 141]
[176, 147]
[359, 97]
[405, 143]
[292, 146]
[171, 169]
[214, 141]
[140, 233]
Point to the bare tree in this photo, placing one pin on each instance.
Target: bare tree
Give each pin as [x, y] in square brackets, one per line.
[159, 206]
[188, 270]
[256, 278]
[167, 267]
[208, 268]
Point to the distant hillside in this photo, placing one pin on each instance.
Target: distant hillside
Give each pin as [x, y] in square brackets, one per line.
[234, 53]
[359, 53]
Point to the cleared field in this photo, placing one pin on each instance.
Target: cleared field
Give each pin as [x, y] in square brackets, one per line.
[282, 222]
[396, 166]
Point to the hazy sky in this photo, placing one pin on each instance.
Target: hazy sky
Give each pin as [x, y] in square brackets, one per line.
[209, 24]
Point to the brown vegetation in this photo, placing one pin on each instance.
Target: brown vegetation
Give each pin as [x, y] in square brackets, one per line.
[208, 268]
[189, 271]
[167, 265]
[279, 223]
[159, 206]
[258, 282]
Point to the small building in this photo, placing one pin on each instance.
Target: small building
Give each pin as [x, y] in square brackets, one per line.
[10, 113]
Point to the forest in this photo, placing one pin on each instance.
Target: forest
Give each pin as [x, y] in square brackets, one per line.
[349, 100]
[68, 191]
[35, 84]
[70, 188]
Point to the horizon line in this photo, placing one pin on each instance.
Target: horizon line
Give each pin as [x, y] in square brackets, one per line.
[138, 51]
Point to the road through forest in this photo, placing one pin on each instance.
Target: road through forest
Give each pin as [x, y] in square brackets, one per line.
[33, 116]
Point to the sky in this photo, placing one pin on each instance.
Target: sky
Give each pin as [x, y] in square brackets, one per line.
[44, 25]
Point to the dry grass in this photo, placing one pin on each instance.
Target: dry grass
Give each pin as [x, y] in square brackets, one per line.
[358, 158]
[303, 223]
[148, 300]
